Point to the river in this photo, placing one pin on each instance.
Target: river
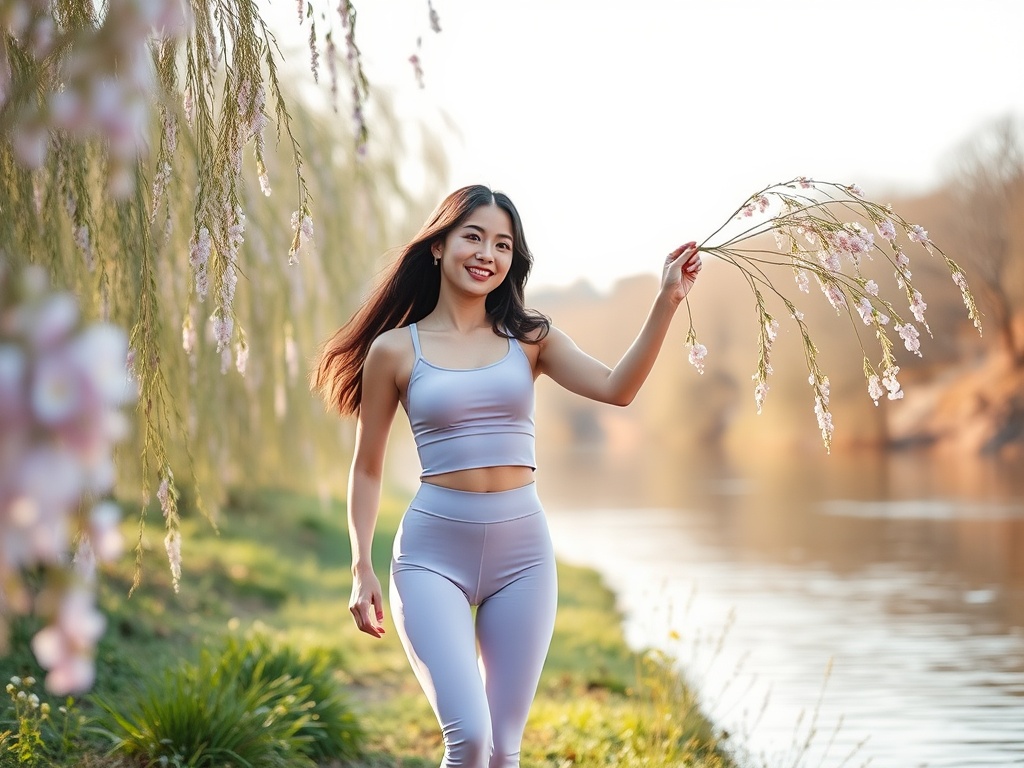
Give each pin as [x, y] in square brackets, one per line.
[832, 611]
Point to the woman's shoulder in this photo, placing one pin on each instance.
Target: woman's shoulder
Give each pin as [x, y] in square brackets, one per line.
[543, 334]
[391, 346]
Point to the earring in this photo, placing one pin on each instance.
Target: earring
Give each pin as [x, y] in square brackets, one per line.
[437, 259]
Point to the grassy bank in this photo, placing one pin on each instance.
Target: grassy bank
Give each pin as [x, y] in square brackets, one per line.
[279, 563]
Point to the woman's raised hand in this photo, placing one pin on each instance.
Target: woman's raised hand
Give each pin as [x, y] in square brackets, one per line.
[681, 269]
[367, 604]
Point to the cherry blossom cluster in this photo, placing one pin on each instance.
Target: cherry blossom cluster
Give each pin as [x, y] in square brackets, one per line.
[823, 229]
[101, 86]
[62, 386]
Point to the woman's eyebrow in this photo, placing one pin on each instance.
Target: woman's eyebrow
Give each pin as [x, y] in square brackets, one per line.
[482, 231]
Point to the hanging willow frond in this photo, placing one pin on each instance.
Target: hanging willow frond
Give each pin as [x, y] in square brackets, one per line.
[179, 240]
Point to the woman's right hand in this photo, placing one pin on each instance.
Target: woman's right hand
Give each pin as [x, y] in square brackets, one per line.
[367, 603]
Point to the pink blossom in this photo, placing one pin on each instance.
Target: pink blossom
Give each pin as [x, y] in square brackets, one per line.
[886, 230]
[102, 350]
[910, 337]
[891, 384]
[809, 235]
[60, 386]
[854, 190]
[65, 647]
[227, 286]
[760, 393]
[918, 306]
[902, 273]
[60, 390]
[865, 310]
[829, 259]
[223, 328]
[188, 335]
[824, 418]
[241, 356]
[417, 69]
[189, 106]
[918, 234]
[834, 294]
[803, 282]
[302, 229]
[51, 478]
[199, 256]
[871, 287]
[697, 354]
[163, 494]
[53, 320]
[172, 544]
[875, 389]
[854, 241]
[105, 536]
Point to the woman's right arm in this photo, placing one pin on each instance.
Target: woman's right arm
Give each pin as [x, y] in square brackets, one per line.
[373, 424]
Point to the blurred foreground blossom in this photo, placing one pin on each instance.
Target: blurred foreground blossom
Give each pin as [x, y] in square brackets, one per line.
[824, 231]
[82, 74]
[62, 385]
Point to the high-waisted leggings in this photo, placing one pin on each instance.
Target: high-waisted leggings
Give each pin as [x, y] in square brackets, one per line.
[455, 550]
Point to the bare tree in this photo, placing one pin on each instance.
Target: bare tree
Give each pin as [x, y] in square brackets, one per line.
[987, 194]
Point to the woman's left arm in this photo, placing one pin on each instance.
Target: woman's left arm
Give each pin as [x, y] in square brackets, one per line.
[578, 372]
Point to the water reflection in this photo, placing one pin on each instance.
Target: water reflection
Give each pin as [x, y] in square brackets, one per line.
[904, 573]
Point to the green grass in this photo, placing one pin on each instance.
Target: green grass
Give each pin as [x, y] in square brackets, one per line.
[279, 565]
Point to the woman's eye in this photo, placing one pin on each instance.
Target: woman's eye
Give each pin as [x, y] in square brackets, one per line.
[472, 236]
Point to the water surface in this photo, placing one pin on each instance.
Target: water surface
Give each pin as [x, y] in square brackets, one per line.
[833, 611]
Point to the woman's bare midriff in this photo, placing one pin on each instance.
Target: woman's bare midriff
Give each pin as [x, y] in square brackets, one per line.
[483, 479]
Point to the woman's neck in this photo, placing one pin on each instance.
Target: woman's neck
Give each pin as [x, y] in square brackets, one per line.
[460, 315]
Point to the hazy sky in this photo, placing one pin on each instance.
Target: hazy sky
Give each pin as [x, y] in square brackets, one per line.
[622, 129]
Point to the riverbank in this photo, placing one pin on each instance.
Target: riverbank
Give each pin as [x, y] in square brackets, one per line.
[279, 563]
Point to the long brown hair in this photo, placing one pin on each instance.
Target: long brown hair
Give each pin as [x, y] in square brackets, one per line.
[409, 290]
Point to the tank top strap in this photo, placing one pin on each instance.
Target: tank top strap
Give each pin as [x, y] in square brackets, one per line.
[415, 340]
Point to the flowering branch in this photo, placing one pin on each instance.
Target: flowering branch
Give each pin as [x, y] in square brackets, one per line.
[820, 230]
[62, 386]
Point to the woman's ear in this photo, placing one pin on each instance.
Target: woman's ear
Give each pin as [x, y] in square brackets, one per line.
[435, 250]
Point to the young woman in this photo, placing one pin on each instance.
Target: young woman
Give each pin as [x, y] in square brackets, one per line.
[446, 335]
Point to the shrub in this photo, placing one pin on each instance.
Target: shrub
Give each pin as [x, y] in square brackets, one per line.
[329, 729]
[199, 716]
[249, 703]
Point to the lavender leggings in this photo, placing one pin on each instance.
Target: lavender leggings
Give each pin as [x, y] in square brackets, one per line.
[455, 550]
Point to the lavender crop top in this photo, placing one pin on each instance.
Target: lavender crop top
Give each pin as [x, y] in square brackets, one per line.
[465, 418]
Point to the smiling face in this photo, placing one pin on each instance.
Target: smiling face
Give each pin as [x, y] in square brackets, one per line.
[477, 254]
